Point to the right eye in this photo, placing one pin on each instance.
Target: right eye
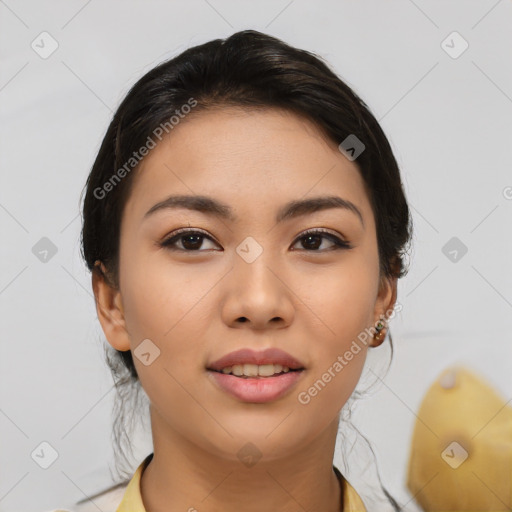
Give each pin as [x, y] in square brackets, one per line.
[191, 240]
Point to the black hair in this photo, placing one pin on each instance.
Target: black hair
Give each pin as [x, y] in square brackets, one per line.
[249, 69]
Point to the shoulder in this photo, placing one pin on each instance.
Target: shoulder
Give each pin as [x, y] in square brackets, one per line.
[352, 502]
[107, 501]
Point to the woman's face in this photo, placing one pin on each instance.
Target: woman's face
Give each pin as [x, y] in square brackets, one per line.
[250, 280]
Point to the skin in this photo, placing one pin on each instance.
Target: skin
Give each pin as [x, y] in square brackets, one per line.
[311, 302]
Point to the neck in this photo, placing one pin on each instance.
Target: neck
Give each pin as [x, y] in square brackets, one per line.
[182, 476]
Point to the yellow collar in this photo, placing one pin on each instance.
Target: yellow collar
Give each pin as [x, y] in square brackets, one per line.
[132, 500]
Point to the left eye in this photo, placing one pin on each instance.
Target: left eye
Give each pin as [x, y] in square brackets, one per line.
[191, 240]
[311, 238]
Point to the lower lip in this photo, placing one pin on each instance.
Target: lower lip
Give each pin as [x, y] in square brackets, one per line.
[257, 390]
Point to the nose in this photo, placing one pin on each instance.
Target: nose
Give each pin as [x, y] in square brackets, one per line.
[258, 295]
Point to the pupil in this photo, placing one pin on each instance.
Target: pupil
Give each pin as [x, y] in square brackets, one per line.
[194, 246]
[310, 237]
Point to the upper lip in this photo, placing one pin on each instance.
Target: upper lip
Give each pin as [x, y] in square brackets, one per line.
[248, 356]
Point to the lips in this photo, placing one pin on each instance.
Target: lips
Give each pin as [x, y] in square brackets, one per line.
[257, 390]
[248, 356]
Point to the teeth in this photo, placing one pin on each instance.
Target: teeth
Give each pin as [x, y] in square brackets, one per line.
[265, 370]
[254, 370]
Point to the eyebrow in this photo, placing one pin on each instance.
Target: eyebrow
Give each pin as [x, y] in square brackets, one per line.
[292, 209]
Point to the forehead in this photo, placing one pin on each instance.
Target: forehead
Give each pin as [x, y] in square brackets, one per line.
[250, 158]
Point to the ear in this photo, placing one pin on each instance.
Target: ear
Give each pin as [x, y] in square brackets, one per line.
[109, 308]
[385, 303]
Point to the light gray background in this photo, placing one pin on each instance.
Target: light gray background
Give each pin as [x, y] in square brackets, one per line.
[449, 121]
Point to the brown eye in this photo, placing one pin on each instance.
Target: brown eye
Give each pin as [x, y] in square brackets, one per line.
[312, 240]
[191, 240]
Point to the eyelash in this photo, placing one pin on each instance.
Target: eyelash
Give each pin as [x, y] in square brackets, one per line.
[338, 242]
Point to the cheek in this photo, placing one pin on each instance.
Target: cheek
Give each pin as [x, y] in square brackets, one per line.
[343, 300]
[330, 386]
[156, 294]
[166, 305]
[343, 307]
[339, 355]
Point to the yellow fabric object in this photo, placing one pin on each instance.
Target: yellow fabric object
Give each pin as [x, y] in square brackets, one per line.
[132, 500]
[461, 449]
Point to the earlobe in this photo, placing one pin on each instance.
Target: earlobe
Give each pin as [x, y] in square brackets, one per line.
[109, 309]
[383, 307]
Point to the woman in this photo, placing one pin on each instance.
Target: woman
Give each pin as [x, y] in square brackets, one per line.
[244, 223]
